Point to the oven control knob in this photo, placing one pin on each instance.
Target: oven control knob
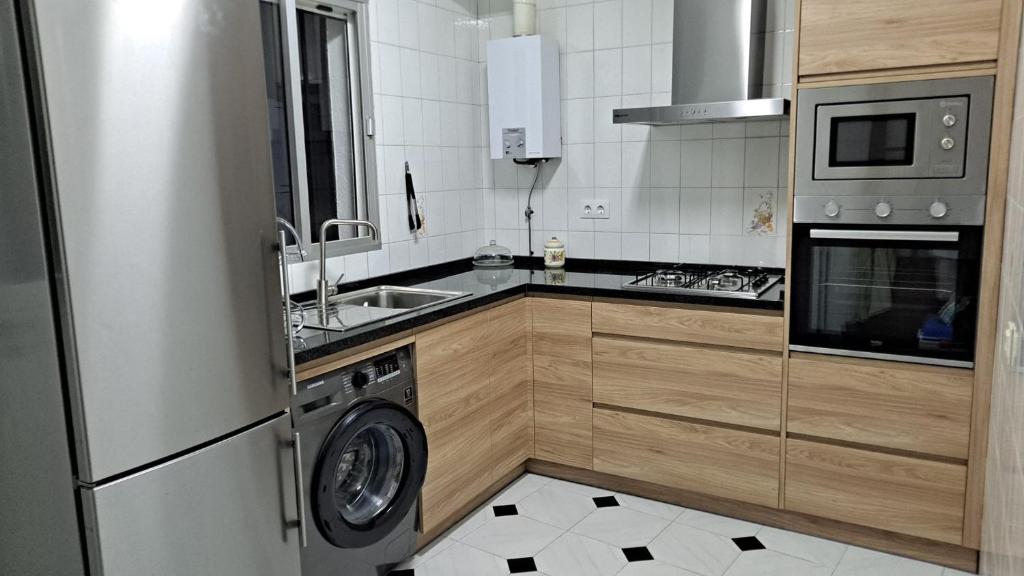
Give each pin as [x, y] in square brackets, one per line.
[360, 380]
[949, 120]
[938, 209]
[947, 143]
[883, 210]
[831, 209]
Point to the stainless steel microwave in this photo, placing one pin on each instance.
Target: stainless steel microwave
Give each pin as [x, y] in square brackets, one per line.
[911, 153]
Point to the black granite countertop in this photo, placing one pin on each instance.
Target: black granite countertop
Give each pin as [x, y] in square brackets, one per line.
[591, 278]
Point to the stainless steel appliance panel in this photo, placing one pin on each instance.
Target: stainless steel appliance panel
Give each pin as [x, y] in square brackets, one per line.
[228, 509]
[37, 500]
[941, 177]
[158, 133]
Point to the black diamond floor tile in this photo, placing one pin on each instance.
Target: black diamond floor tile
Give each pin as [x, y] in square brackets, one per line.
[404, 572]
[605, 501]
[748, 543]
[637, 554]
[506, 510]
[521, 565]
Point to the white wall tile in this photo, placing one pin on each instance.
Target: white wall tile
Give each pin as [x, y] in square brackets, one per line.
[664, 248]
[579, 75]
[695, 211]
[726, 160]
[608, 24]
[608, 72]
[662, 21]
[635, 209]
[727, 211]
[665, 164]
[636, 23]
[636, 75]
[665, 211]
[636, 246]
[607, 245]
[608, 165]
[761, 162]
[580, 121]
[581, 165]
[579, 28]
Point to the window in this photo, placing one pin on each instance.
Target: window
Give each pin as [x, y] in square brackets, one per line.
[320, 105]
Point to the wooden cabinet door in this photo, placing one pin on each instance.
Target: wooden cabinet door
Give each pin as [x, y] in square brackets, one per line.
[563, 382]
[453, 367]
[511, 410]
[841, 36]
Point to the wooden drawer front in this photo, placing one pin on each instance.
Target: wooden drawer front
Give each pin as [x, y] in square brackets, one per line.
[563, 382]
[859, 35]
[902, 406]
[724, 328]
[717, 461]
[896, 493]
[736, 387]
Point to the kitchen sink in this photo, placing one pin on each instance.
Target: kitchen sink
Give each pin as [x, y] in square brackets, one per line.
[352, 309]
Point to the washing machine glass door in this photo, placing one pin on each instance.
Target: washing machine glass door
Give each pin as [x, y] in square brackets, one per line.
[369, 473]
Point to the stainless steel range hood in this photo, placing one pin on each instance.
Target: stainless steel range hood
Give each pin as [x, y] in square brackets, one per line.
[718, 66]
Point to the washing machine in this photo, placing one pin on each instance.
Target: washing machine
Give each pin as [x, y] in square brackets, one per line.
[362, 459]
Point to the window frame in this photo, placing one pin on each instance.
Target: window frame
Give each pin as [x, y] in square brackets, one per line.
[356, 15]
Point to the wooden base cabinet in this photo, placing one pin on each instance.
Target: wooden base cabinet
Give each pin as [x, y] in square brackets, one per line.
[563, 382]
[473, 378]
[721, 462]
[896, 493]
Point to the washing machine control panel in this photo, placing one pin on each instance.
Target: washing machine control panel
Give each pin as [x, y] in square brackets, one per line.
[388, 376]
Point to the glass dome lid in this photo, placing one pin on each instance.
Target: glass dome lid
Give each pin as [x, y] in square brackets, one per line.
[492, 255]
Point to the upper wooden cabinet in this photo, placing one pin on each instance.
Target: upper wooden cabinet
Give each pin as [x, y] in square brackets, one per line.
[844, 36]
[563, 382]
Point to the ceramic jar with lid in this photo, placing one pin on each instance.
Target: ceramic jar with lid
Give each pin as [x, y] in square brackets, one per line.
[554, 253]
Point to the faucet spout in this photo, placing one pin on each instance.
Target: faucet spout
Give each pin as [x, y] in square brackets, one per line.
[323, 289]
[295, 234]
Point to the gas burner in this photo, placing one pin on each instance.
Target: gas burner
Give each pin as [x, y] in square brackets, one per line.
[703, 280]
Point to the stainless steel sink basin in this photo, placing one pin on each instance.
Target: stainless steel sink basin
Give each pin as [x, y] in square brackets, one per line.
[352, 309]
[394, 298]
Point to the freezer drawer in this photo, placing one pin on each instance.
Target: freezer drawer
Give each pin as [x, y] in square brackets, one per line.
[225, 510]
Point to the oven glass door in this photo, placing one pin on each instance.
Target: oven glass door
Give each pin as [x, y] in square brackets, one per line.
[900, 294]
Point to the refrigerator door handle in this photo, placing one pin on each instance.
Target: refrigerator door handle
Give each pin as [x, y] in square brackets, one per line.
[300, 498]
[282, 246]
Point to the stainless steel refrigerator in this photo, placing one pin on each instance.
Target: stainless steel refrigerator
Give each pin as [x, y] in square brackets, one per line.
[143, 369]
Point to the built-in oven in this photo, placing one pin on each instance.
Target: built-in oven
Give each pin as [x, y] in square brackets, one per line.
[889, 293]
[909, 153]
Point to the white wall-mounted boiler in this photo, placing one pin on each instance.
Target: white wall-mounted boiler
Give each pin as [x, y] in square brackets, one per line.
[523, 97]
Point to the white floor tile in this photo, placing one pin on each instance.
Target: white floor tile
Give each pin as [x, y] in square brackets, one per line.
[770, 563]
[722, 525]
[863, 562]
[472, 523]
[654, 568]
[521, 488]
[816, 550]
[513, 536]
[558, 507]
[433, 550]
[620, 526]
[660, 509]
[695, 550]
[575, 555]
[462, 560]
[951, 572]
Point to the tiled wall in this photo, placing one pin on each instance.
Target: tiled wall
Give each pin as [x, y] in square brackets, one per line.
[428, 100]
[697, 193]
[688, 193]
[1003, 535]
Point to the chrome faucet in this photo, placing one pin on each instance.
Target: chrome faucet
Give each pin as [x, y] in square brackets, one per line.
[323, 289]
[295, 234]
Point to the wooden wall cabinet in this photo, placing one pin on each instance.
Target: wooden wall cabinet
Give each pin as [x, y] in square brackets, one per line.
[855, 36]
[473, 379]
[563, 382]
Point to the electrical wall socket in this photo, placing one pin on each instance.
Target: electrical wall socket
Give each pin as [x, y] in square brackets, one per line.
[595, 209]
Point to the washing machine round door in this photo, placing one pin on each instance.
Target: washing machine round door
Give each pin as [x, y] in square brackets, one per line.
[368, 474]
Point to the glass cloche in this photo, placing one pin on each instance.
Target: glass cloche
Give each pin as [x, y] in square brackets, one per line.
[493, 255]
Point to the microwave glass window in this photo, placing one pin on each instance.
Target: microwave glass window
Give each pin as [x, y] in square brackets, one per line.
[884, 140]
[903, 298]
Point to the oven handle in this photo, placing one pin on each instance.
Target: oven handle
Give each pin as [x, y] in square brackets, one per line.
[893, 235]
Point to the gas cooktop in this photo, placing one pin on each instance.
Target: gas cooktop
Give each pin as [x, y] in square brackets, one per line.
[723, 282]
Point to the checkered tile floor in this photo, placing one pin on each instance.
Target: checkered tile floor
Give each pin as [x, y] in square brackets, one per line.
[549, 527]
